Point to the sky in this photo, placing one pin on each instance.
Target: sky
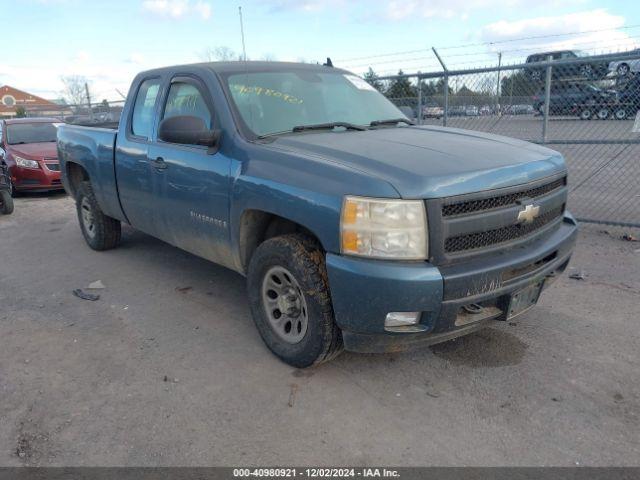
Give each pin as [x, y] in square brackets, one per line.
[108, 42]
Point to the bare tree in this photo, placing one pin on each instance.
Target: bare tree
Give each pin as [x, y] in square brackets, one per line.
[269, 57]
[219, 54]
[74, 89]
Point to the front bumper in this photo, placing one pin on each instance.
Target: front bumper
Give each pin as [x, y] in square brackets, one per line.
[364, 291]
[33, 179]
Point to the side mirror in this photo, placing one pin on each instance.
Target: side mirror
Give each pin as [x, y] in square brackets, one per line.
[187, 130]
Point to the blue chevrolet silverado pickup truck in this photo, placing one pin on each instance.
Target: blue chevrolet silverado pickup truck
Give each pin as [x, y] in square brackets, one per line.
[355, 228]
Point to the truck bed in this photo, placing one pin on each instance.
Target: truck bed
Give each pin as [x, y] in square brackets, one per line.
[93, 148]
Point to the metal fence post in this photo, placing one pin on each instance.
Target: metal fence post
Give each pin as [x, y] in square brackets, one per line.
[547, 95]
[419, 112]
[445, 115]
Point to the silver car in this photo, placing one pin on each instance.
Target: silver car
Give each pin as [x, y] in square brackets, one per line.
[626, 66]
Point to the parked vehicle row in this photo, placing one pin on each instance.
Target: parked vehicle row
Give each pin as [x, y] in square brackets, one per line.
[583, 66]
[587, 101]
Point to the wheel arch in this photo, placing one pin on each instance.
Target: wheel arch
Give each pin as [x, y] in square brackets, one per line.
[256, 226]
[75, 175]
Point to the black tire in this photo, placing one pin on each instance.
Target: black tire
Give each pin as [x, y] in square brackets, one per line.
[586, 114]
[620, 113]
[303, 257]
[6, 203]
[603, 113]
[622, 69]
[587, 71]
[104, 232]
[535, 75]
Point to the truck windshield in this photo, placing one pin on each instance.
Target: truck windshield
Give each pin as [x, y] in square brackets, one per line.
[36, 132]
[276, 102]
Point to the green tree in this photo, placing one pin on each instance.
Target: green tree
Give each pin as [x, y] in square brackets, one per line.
[372, 79]
[401, 88]
[428, 88]
[21, 112]
[440, 87]
[517, 85]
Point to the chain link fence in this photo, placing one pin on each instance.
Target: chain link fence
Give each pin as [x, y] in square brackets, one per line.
[584, 107]
[104, 113]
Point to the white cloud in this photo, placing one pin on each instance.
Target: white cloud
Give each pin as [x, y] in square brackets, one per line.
[203, 8]
[601, 32]
[303, 5]
[403, 9]
[178, 8]
[82, 56]
[136, 58]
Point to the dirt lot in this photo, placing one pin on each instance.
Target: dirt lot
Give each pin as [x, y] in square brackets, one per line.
[166, 368]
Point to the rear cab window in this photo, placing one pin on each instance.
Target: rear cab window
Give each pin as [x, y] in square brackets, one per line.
[144, 108]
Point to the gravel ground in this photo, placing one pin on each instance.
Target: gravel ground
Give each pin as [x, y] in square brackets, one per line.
[166, 368]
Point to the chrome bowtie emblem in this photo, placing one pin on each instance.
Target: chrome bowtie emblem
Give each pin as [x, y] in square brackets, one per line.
[529, 214]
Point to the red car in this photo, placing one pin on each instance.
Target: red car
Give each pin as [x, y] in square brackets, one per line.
[28, 147]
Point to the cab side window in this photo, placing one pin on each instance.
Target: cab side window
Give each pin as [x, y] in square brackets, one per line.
[143, 109]
[187, 99]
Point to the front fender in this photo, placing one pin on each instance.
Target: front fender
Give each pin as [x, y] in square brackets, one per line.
[305, 189]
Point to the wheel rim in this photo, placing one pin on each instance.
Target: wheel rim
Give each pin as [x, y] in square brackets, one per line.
[623, 69]
[285, 305]
[621, 114]
[87, 218]
[586, 114]
[603, 114]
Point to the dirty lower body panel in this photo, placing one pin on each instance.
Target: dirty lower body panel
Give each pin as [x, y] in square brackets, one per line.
[452, 300]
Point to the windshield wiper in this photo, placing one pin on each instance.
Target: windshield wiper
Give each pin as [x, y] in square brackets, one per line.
[317, 126]
[391, 121]
[328, 126]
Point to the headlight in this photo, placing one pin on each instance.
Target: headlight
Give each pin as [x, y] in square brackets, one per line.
[384, 228]
[23, 162]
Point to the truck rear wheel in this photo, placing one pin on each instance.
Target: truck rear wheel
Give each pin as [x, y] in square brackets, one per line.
[290, 301]
[100, 231]
[6, 203]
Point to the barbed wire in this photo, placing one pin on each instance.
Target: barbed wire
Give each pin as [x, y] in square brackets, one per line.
[489, 43]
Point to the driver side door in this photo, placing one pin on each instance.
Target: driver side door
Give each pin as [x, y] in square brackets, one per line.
[192, 180]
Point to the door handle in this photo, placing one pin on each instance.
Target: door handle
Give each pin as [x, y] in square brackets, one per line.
[159, 163]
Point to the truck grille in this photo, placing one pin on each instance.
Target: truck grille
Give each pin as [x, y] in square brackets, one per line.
[471, 206]
[477, 222]
[499, 235]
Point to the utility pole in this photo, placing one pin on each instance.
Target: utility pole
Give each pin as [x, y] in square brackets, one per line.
[244, 50]
[86, 89]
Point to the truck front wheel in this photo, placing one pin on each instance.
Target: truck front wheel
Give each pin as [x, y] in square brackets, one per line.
[100, 231]
[290, 300]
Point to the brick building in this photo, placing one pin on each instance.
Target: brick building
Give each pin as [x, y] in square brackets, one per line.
[12, 98]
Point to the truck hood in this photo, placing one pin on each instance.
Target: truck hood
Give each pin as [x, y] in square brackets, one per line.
[34, 151]
[431, 162]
